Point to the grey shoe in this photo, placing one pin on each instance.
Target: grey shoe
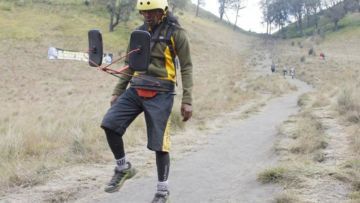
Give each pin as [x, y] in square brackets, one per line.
[119, 178]
[162, 197]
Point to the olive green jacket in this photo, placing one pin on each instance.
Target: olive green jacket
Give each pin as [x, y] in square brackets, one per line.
[161, 64]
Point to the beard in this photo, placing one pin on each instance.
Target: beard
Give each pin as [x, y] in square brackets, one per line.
[152, 22]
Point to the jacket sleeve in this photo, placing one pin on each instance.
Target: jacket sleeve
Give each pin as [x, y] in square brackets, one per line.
[182, 49]
[123, 83]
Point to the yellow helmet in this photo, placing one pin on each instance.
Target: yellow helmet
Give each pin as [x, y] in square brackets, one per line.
[144, 5]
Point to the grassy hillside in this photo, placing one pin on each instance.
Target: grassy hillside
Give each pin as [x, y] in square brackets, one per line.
[66, 23]
[325, 27]
[51, 110]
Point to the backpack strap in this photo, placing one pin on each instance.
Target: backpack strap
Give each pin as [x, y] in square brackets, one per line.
[170, 31]
[169, 28]
[155, 37]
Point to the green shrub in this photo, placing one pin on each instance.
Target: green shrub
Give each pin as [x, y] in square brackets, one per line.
[272, 175]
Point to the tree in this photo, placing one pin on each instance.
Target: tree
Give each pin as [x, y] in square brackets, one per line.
[296, 9]
[351, 5]
[119, 10]
[329, 3]
[335, 14]
[237, 5]
[267, 18]
[311, 9]
[279, 11]
[275, 12]
[223, 5]
[199, 3]
[222, 8]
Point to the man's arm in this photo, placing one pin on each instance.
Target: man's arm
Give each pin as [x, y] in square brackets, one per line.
[123, 82]
[182, 48]
[121, 85]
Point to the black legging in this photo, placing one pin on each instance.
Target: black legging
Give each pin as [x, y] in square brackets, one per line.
[116, 144]
[163, 165]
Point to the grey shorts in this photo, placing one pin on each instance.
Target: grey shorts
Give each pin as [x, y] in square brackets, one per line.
[157, 112]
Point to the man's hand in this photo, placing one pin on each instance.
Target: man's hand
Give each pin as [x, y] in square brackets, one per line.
[113, 99]
[186, 111]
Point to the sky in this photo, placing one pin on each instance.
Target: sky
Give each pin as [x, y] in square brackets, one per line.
[249, 17]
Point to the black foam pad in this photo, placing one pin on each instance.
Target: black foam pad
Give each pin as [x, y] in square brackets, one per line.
[139, 61]
[95, 48]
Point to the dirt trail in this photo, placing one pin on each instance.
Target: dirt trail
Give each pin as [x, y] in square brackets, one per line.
[225, 169]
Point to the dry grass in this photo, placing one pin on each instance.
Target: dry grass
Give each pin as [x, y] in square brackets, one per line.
[273, 85]
[355, 140]
[302, 136]
[348, 102]
[219, 69]
[303, 100]
[287, 197]
[350, 172]
[290, 174]
[336, 82]
[51, 110]
[309, 135]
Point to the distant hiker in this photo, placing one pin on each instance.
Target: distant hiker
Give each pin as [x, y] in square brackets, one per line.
[108, 58]
[311, 52]
[292, 72]
[169, 43]
[272, 67]
[322, 56]
[285, 71]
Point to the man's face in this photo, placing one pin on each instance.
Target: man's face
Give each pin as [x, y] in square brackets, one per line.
[152, 17]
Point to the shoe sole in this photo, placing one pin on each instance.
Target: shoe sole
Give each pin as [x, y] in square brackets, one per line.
[167, 200]
[131, 174]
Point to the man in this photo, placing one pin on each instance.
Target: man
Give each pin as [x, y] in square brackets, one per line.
[168, 41]
[273, 67]
[292, 72]
[285, 71]
[322, 56]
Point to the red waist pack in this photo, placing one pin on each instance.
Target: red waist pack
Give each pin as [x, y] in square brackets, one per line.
[146, 93]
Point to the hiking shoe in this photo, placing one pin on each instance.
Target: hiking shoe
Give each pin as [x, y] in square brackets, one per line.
[161, 197]
[119, 178]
